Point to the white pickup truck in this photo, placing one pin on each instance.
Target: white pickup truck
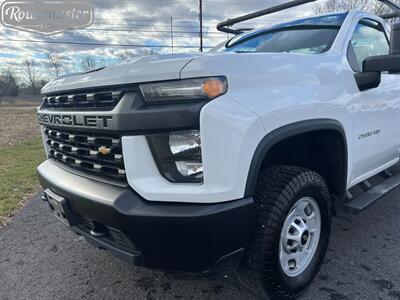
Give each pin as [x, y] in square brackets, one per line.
[236, 158]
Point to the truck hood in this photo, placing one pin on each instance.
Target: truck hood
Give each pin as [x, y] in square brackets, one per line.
[255, 72]
[250, 70]
[141, 69]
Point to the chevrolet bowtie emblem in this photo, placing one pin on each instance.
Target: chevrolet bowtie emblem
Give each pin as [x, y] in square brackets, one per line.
[104, 150]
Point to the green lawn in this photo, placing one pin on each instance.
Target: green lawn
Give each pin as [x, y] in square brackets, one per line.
[18, 174]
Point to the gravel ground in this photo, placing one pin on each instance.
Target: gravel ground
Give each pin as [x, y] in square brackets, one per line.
[41, 259]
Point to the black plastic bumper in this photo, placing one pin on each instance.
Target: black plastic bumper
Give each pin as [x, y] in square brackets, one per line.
[164, 236]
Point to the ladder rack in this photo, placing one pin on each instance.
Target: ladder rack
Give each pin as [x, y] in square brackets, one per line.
[225, 25]
[393, 6]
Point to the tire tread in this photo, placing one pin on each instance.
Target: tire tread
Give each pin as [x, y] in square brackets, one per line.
[275, 189]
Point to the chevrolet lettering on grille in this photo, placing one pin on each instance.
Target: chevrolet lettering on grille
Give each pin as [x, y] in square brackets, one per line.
[75, 120]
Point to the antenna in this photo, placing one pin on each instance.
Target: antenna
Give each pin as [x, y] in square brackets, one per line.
[223, 26]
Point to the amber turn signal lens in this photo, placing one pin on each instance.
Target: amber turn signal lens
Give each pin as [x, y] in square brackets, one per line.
[213, 88]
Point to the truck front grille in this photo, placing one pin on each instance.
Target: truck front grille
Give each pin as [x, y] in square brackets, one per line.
[99, 154]
[87, 99]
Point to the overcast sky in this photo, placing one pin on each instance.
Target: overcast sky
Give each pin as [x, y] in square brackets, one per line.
[137, 22]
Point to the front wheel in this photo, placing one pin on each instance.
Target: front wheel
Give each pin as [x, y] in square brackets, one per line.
[293, 228]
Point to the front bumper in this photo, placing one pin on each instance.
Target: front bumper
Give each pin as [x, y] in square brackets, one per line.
[163, 236]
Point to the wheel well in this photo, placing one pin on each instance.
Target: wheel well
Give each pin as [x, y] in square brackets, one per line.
[323, 151]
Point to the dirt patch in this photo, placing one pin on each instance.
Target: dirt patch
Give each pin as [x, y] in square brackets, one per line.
[18, 125]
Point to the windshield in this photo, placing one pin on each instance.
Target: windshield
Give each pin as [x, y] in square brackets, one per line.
[307, 36]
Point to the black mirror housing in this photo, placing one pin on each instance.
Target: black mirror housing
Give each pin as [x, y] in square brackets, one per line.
[368, 80]
[395, 39]
[382, 63]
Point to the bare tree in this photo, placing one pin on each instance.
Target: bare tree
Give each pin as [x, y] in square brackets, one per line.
[150, 51]
[55, 65]
[31, 74]
[380, 9]
[41, 83]
[88, 63]
[345, 5]
[10, 82]
[3, 89]
[125, 55]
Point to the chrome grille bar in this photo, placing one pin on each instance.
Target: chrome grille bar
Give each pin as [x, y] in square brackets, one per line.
[101, 99]
[99, 154]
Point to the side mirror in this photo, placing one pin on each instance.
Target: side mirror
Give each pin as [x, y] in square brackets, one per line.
[386, 63]
[373, 66]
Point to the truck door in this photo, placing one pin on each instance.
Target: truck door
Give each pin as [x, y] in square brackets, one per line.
[375, 111]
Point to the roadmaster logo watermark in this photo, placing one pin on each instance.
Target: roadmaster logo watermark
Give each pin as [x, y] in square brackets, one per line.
[47, 17]
[75, 120]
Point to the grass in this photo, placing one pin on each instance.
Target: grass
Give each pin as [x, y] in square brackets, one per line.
[22, 100]
[18, 174]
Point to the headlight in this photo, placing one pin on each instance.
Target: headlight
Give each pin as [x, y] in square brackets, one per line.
[198, 89]
[178, 155]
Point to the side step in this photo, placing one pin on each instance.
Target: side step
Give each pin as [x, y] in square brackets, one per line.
[373, 194]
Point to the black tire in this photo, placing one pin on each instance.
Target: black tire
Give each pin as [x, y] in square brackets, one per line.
[278, 189]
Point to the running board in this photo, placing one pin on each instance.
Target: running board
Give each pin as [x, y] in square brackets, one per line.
[373, 194]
